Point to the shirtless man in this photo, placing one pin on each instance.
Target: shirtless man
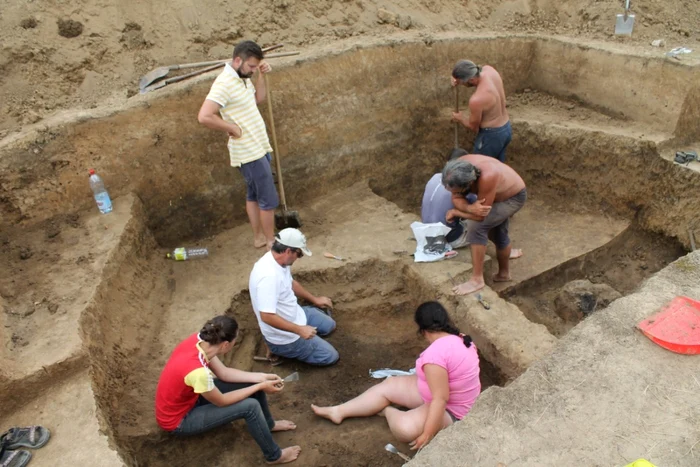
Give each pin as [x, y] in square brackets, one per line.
[500, 194]
[488, 116]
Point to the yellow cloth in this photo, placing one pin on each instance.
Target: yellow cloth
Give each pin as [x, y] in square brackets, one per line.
[202, 379]
[641, 463]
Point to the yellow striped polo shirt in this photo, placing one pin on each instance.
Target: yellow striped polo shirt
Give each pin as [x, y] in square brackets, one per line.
[236, 96]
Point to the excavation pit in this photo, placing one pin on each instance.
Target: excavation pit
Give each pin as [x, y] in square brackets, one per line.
[355, 164]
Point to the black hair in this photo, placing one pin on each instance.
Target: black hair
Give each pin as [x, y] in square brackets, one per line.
[247, 49]
[219, 329]
[432, 316]
[456, 153]
[278, 247]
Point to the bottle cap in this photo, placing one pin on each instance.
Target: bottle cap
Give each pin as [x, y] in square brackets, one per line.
[92, 171]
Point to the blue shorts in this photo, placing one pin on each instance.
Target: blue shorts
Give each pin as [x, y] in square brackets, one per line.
[493, 141]
[260, 183]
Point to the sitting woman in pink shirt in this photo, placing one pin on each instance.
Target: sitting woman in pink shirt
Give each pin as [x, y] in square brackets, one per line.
[442, 391]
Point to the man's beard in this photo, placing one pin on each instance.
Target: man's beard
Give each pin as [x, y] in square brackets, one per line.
[243, 75]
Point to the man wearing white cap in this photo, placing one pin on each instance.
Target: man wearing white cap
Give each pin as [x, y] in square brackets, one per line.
[289, 330]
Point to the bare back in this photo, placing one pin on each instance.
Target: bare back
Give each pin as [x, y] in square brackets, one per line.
[491, 97]
[508, 182]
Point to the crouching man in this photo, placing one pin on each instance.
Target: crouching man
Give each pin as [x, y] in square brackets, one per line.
[290, 330]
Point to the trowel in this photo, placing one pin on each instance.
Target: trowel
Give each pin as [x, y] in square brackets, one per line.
[624, 23]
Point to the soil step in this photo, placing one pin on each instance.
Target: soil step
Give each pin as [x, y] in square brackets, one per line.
[538, 107]
[68, 410]
[53, 274]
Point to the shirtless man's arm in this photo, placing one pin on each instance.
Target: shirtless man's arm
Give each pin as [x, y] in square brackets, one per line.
[477, 104]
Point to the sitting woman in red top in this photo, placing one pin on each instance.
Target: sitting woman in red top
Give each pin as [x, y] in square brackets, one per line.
[197, 392]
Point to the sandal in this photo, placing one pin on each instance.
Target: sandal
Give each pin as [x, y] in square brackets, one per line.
[685, 157]
[27, 437]
[14, 458]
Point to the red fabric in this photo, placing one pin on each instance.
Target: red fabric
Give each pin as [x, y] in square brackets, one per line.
[174, 399]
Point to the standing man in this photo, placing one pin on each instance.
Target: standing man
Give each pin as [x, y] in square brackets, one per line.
[290, 330]
[232, 107]
[500, 193]
[488, 116]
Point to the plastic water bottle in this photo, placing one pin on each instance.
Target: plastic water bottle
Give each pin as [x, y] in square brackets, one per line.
[104, 203]
[183, 254]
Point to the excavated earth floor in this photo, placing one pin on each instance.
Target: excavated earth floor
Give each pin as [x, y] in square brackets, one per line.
[91, 309]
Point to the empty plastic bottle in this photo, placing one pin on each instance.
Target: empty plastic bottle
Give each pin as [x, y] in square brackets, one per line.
[183, 254]
[104, 203]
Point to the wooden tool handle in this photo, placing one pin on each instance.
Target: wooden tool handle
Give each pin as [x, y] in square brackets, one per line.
[175, 79]
[275, 148]
[223, 60]
[457, 110]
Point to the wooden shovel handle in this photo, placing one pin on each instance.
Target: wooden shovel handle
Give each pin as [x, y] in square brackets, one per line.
[175, 79]
[214, 62]
[457, 110]
[275, 148]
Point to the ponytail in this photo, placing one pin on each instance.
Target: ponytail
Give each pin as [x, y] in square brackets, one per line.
[219, 329]
[432, 316]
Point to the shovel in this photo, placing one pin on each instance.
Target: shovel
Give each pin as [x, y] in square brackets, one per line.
[217, 64]
[286, 218]
[457, 110]
[624, 23]
[163, 71]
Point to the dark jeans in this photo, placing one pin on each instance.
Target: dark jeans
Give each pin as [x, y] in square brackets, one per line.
[205, 416]
[493, 141]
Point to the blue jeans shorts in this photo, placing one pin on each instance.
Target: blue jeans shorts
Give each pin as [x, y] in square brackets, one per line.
[260, 183]
[493, 141]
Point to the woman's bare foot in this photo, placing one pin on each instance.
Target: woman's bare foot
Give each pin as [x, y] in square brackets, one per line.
[499, 278]
[284, 425]
[260, 242]
[515, 253]
[331, 413]
[289, 454]
[468, 287]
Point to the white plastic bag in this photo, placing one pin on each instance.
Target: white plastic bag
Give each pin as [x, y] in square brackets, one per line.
[431, 244]
[387, 372]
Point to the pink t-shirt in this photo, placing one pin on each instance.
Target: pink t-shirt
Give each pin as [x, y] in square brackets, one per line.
[462, 365]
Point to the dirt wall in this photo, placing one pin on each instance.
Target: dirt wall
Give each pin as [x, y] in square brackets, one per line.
[330, 136]
[608, 174]
[622, 85]
[119, 327]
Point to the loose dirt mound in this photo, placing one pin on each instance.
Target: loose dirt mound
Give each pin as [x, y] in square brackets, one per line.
[76, 54]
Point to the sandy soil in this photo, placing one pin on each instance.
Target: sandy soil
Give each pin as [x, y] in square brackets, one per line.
[77, 54]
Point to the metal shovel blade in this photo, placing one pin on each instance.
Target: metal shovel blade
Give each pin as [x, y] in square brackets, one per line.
[624, 23]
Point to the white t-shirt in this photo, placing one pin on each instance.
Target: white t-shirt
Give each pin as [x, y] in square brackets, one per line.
[271, 292]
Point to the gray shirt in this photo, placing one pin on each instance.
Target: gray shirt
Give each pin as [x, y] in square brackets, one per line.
[436, 201]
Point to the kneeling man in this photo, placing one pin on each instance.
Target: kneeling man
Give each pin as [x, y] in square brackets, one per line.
[290, 331]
